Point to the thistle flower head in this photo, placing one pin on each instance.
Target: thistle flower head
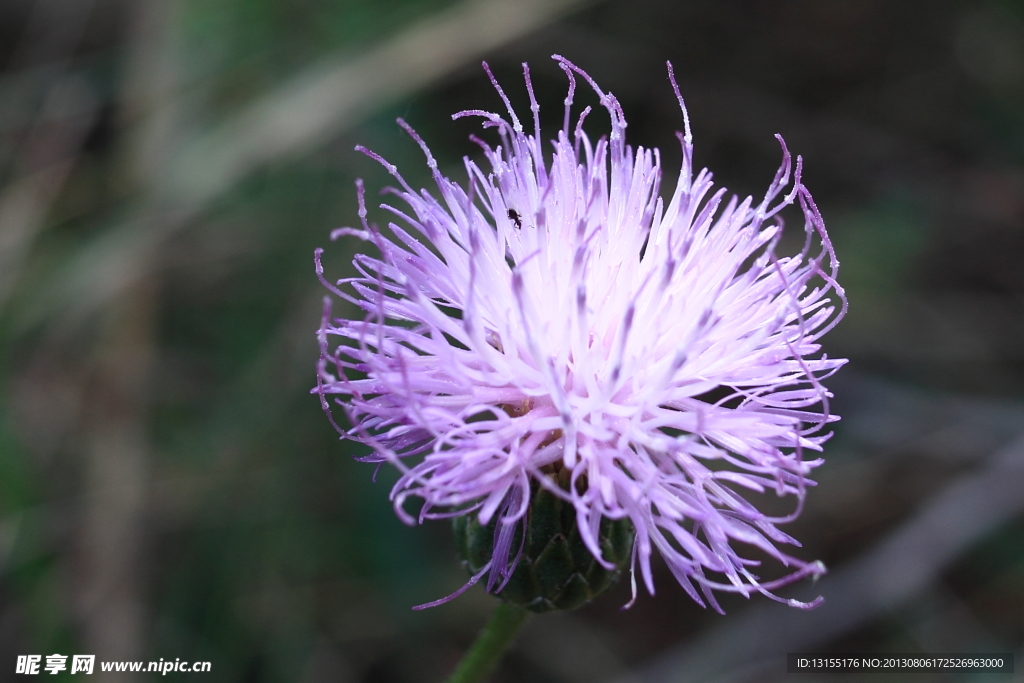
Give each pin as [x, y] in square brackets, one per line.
[554, 319]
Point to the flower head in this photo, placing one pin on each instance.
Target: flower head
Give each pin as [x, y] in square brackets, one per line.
[554, 319]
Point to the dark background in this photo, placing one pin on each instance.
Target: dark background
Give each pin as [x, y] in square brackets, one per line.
[169, 488]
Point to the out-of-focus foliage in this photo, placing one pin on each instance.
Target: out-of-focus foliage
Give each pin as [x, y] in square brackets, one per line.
[241, 47]
[168, 486]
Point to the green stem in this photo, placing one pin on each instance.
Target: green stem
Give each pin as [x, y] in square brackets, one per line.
[492, 642]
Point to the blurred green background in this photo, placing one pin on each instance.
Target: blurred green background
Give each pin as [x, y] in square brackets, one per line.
[170, 489]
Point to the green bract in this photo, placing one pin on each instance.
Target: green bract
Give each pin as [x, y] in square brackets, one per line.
[555, 571]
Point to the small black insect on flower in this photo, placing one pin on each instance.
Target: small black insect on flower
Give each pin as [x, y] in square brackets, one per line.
[514, 216]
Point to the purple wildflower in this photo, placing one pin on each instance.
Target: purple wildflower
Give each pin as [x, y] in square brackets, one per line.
[560, 316]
